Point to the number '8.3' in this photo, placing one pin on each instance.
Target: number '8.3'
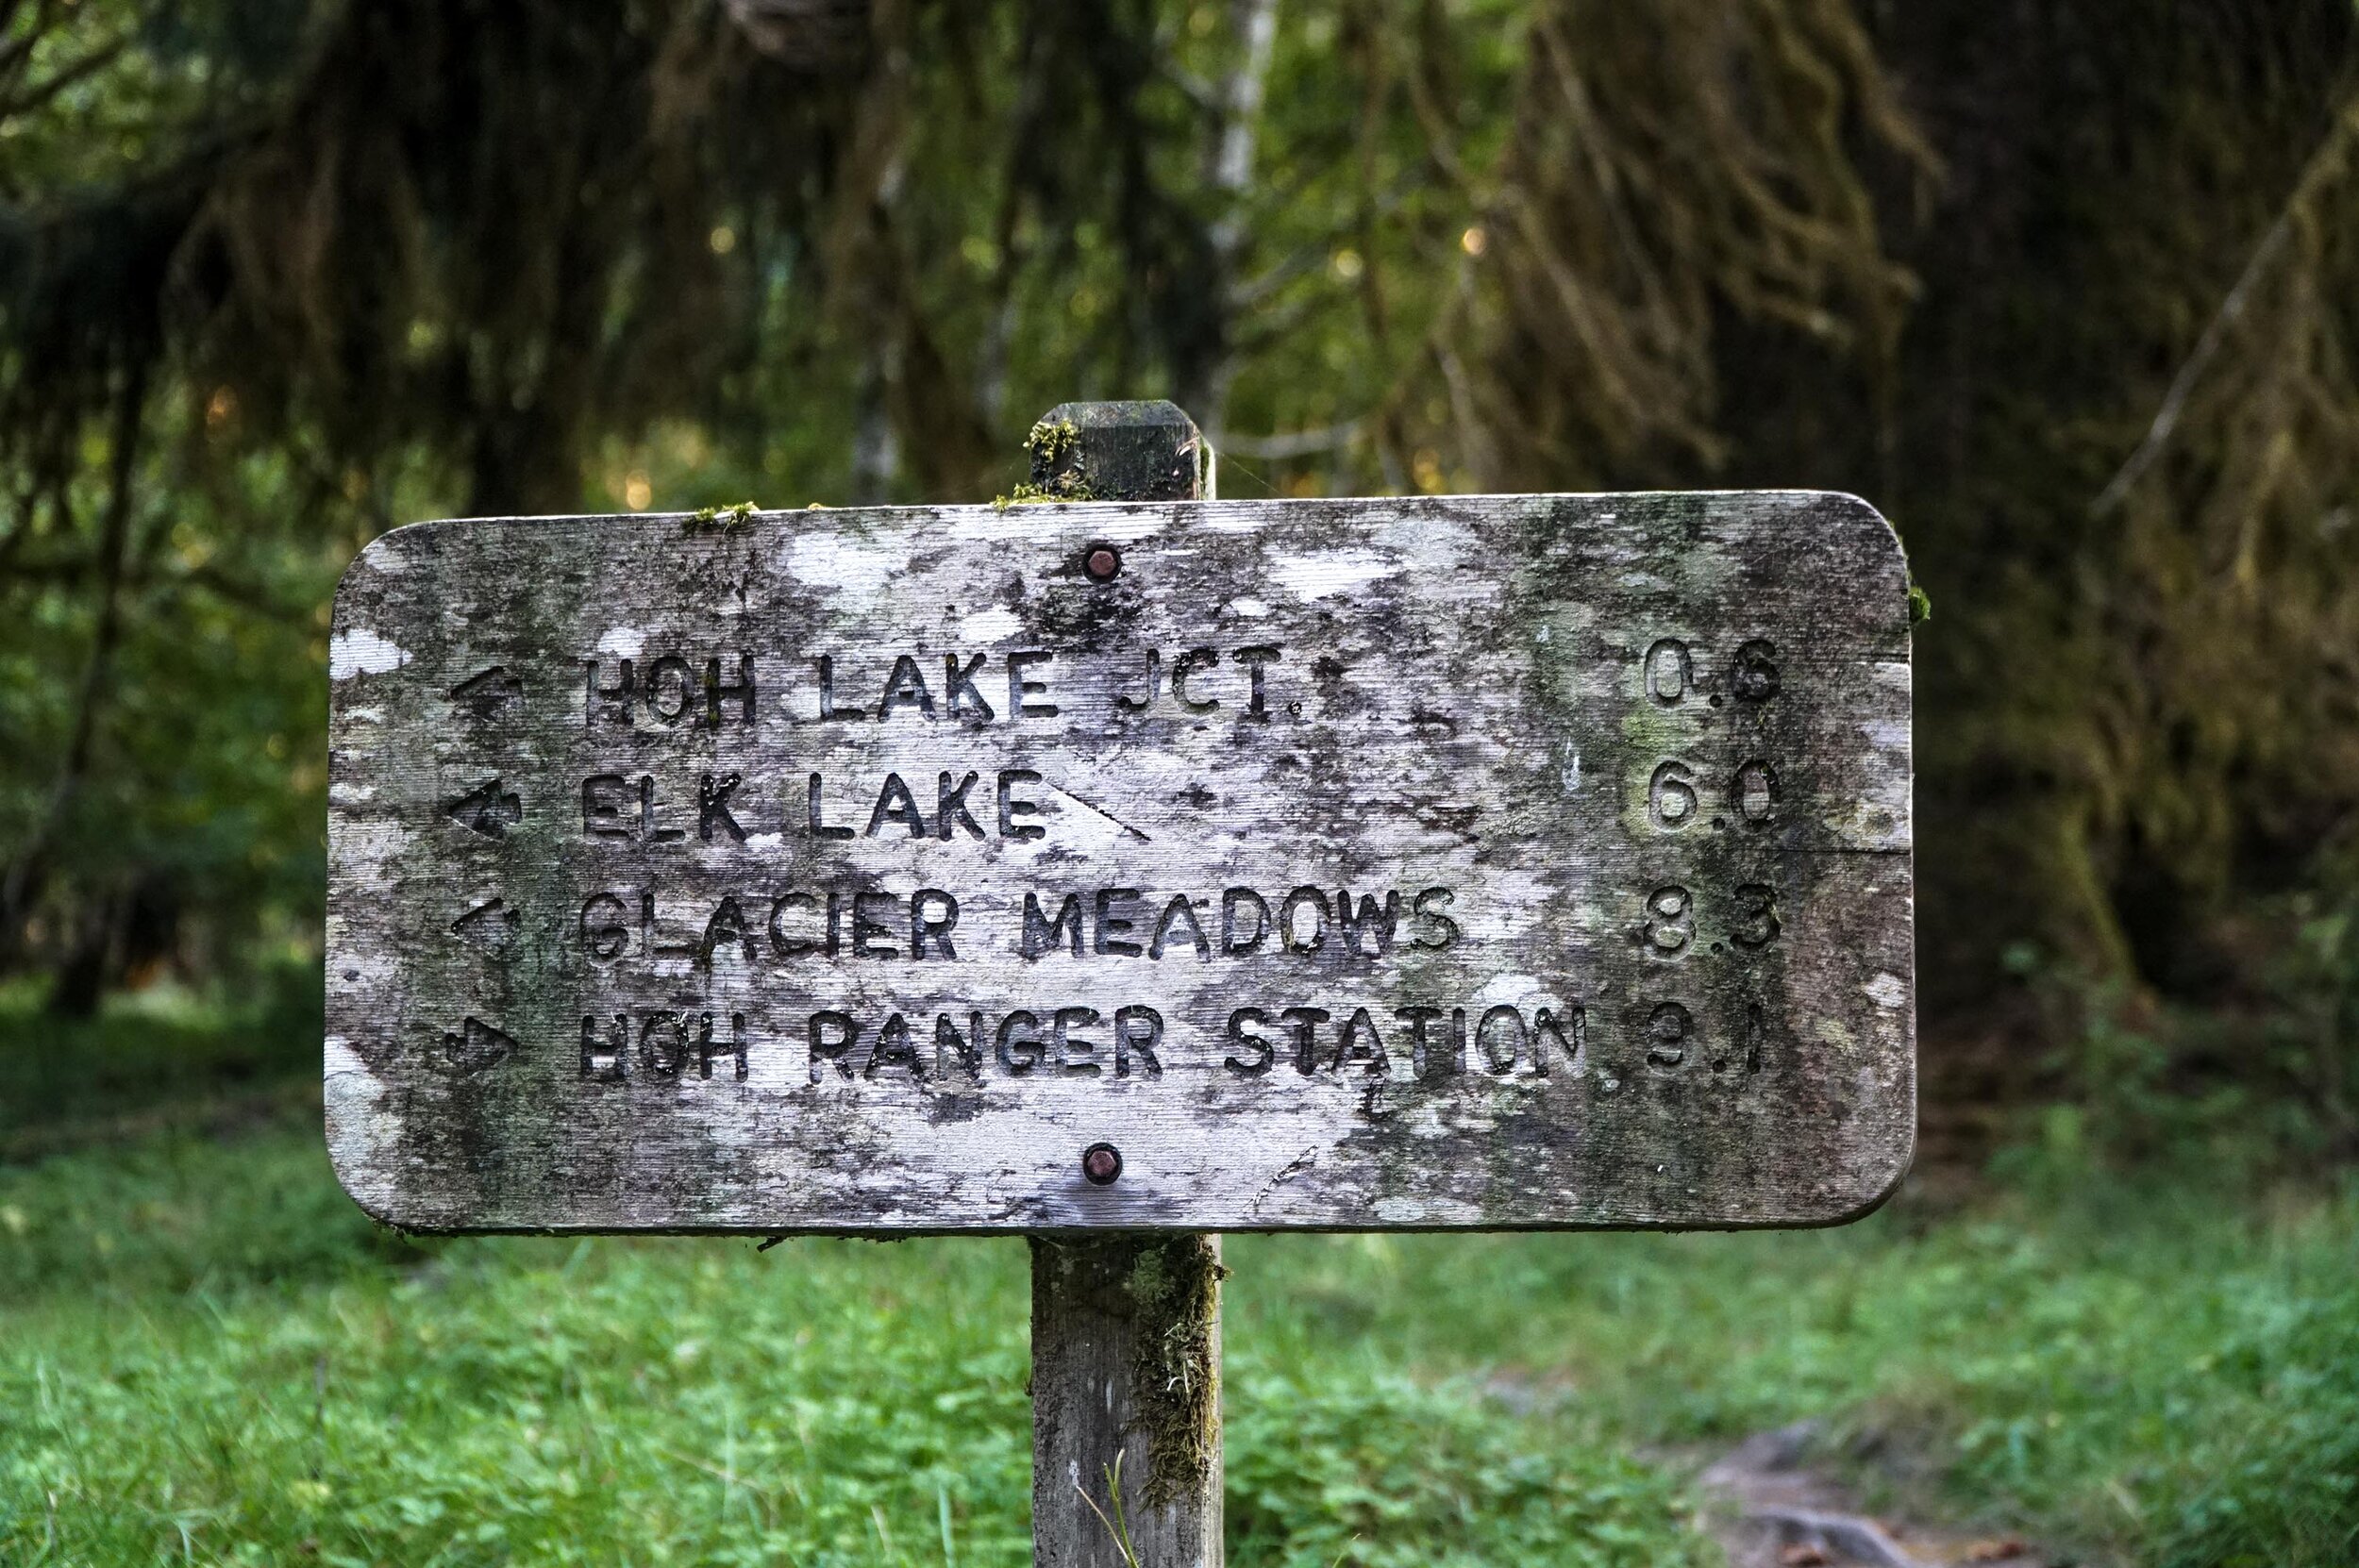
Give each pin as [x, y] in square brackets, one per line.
[1666, 927]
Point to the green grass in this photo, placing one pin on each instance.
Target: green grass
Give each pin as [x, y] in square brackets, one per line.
[2163, 1376]
[207, 1355]
[206, 1349]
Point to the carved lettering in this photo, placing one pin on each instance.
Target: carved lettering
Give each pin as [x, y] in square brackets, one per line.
[819, 829]
[935, 927]
[960, 693]
[1179, 912]
[1011, 807]
[671, 689]
[1755, 675]
[831, 1037]
[827, 709]
[781, 945]
[1020, 1046]
[1421, 1060]
[707, 1049]
[712, 805]
[1571, 1034]
[1669, 923]
[1667, 1029]
[1154, 684]
[1235, 903]
[957, 1050]
[1290, 934]
[1137, 1031]
[1442, 930]
[1022, 688]
[893, 1048]
[1671, 671]
[950, 805]
[1756, 792]
[1255, 659]
[1671, 796]
[1073, 1053]
[649, 831]
[906, 687]
[602, 797]
[1373, 921]
[1042, 935]
[1756, 923]
[739, 692]
[1186, 665]
[1114, 928]
[1488, 1039]
[1261, 1051]
[868, 929]
[894, 804]
[1304, 1023]
[728, 925]
[1362, 1043]
[605, 1058]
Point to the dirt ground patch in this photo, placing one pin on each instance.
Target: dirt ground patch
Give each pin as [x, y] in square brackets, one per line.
[1769, 1507]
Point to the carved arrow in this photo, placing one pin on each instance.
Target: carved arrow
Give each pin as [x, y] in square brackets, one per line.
[486, 693]
[486, 811]
[490, 925]
[480, 1045]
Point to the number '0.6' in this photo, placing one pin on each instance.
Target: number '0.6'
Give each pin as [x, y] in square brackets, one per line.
[1675, 672]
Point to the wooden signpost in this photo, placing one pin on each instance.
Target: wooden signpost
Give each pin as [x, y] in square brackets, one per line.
[1121, 872]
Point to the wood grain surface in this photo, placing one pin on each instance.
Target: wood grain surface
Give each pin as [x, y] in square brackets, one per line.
[1436, 862]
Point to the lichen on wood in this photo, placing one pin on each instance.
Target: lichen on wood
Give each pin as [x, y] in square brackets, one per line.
[1175, 1290]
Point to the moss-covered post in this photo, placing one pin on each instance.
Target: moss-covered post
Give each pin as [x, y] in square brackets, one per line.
[1126, 1327]
[1138, 451]
[1126, 1380]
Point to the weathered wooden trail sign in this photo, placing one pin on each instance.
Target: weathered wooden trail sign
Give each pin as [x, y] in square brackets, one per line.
[1535, 861]
[1440, 862]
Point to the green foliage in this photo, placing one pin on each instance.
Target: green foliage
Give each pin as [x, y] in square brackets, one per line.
[2150, 1374]
[168, 1056]
[175, 1219]
[1346, 1461]
[200, 1358]
[213, 1338]
[2269, 1082]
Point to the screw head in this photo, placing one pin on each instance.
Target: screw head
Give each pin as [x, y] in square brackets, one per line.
[1103, 563]
[1100, 1164]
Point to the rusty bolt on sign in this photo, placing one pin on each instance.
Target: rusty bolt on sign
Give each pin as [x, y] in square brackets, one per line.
[1101, 1163]
[1103, 563]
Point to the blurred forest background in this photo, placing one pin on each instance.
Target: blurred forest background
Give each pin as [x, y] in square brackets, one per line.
[2069, 292]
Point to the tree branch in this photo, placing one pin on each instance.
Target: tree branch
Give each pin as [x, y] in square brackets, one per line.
[1289, 444]
[2315, 175]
